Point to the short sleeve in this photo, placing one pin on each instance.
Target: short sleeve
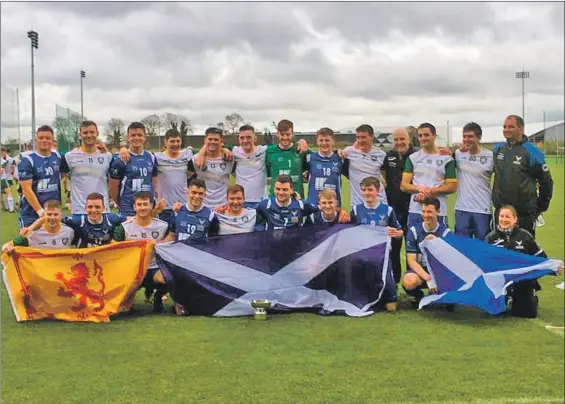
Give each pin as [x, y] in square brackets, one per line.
[64, 165]
[71, 222]
[20, 241]
[450, 171]
[411, 242]
[154, 172]
[120, 233]
[408, 166]
[25, 169]
[117, 168]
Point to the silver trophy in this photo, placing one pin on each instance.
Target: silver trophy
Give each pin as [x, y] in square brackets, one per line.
[260, 306]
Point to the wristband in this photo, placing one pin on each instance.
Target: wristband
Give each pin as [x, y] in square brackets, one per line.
[40, 212]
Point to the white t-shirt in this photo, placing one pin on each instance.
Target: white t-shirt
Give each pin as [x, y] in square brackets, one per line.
[237, 224]
[362, 165]
[216, 173]
[172, 175]
[251, 172]
[474, 173]
[41, 238]
[157, 230]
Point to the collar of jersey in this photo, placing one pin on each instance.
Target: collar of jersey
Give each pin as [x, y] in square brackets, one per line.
[366, 207]
[328, 221]
[190, 210]
[430, 231]
[281, 206]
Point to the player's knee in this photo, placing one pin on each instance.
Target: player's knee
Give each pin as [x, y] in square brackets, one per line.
[411, 281]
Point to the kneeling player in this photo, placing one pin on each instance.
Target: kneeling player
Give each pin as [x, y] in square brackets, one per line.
[236, 218]
[53, 234]
[417, 275]
[145, 227]
[328, 215]
[375, 213]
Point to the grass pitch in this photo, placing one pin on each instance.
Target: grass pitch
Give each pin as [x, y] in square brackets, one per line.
[405, 357]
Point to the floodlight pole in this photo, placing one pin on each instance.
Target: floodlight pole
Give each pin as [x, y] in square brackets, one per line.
[82, 76]
[34, 37]
[523, 75]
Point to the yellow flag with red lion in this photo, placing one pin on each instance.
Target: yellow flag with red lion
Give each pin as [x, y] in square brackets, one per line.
[89, 284]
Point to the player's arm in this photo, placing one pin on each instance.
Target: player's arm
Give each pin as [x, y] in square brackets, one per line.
[214, 227]
[353, 216]
[119, 233]
[17, 242]
[394, 227]
[449, 185]
[159, 207]
[543, 177]
[117, 172]
[65, 170]
[531, 247]
[406, 183]
[412, 252]
[24, 232]
[191, 171]
[345, 168]
[25, 170]
[155, 179]
[261, 219]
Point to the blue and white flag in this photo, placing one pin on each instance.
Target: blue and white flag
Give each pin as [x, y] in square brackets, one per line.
[341, 268]
[473, 273]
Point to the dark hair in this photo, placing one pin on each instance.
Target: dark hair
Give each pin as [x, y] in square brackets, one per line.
[5, 149]
[197, 182]
[431, 200]
[247, 127]
[52, 204]
[214, 131]
[366, 129]
[368, 181]
[427, 125]
[284, 179]
[45, 128]
[136, 125]
[519, 120]
[473, 127]
[325, 132]
[95, 196]
[285, 125]
[86, 124]
[234, 188]
[141, 195]
[172, 133]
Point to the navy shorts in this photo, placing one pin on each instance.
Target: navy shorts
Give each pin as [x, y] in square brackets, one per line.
[469, 224]
[415, 218]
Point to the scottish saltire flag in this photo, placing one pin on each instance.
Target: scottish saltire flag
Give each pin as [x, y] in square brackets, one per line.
[88, 284]
[473, 273]
[341, 268]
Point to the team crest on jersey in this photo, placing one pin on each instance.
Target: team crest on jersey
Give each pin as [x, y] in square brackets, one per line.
[374, 158]
[223, 166]
[294, 218]
[439, 163]
[382, 222]
[101, 160]
[245, 219]
[517, 160]
[202, 221]
[519, 245]
[154, 234]
[65, 240]
[319, 166]
[335, 163]
[483, 160]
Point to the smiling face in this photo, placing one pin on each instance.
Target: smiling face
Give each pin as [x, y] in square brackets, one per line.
[94, 209]
[429, 215]
[247, 139]
[507, 219]
[44, 141]
[142, 207]
[235, 202]
[325, 143]
[53, 218]
[213, 142]
[470, 140]
[136, 138]
[426, 137]
[400, 141]
[327, 206]
[89, 135]
[511, 130]
[283, 192]
[196, 196]
[173, 144]
[370, 194]
[285, 138]
[364, 140]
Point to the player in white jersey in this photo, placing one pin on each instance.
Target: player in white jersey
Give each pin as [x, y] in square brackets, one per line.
[237, 218]
[215, 171]
[88, 168]
[428, 172]
[250, 167]
[173, 173]
[8, 165]
[145, 227]
[53, 234]
[362, 160]
[474, 196]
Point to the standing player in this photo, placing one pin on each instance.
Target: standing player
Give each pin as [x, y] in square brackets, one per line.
[8, 204]
[324, 167]
[53, 234]
[518, 171]
[237, 218]
[215, 171]
[88, 168]
[417, 275]
[399, 201]
[40, 177]
[172, 172]
[138, 174]
[474, 171]
[285, 158]
[362, 160]
[194, 221]
[145, 227]
[428, 173]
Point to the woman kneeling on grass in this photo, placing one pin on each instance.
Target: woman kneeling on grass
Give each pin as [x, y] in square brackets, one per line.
[522, 295]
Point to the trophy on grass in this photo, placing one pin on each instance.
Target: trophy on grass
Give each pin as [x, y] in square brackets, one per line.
[260, 306]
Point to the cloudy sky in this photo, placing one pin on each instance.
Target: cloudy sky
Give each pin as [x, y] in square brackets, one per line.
[318, 64]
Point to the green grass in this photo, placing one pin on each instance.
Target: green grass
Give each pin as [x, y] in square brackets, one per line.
[405, 357]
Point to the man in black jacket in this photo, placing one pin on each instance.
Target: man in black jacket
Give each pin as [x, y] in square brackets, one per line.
[393, 167]
[519, 168]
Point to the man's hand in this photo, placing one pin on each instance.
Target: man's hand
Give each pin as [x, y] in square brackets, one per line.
[444, 151]
[392, 232]
[343, 216]
[8, 248]
[227, 155]
[160, 206]
[433, 291]
[305, 176]
[341, 154]
[221, 209]
[302, 146]
[124, 154]
[560, 270]
[199, 158]
[430, 237]
[24, 232]
[101, 147]
[296, 196]
[176, 207]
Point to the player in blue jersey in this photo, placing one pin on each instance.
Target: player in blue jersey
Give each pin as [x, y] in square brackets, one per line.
[40, 177]
[138, 174]
[324, 167]
[194, 221]
[93, 229]
[417, 276]
[328, 215]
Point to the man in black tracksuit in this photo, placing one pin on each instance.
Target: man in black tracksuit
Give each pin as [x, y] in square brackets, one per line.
[519, 167]
[392, 168]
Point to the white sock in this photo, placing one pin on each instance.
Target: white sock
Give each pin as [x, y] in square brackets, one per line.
[10, 203]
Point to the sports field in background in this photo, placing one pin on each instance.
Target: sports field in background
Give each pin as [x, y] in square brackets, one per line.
[410, 356]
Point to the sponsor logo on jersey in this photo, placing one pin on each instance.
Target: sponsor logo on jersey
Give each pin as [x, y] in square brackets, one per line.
[472, 158]
[519, 245]
[545, 168]
[517, 160]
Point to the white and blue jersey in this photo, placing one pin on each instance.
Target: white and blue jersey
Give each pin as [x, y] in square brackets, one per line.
[381, 215]
[417, 233]
[283, 217]
[45, 176]
[194, 225]
[325, 172]
[88, 234]
[136, 176]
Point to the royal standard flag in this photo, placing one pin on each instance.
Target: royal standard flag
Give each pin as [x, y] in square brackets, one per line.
[89, 284]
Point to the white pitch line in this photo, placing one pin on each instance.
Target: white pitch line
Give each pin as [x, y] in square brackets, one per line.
[507, 400]
[555, 330]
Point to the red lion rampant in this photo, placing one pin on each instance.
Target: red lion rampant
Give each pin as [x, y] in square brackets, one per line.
[77, 286]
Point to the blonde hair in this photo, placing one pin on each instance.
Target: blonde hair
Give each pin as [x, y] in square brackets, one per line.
[510, 208]
[327, 193]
